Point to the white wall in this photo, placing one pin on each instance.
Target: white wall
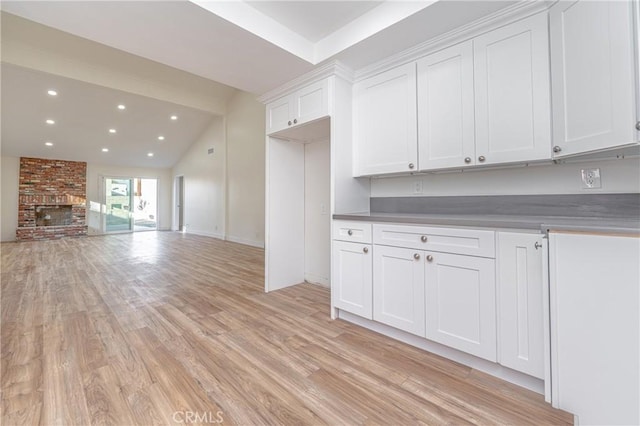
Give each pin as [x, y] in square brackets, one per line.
[9, 179]
[95, 173]
[618, 176]
[205, 182]
[245, 124]
[317, 223]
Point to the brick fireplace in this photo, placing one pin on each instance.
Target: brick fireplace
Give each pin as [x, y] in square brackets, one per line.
[51, 199]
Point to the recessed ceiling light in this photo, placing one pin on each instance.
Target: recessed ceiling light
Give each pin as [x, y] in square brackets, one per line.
[50, 121]
[48, 143]
[52, 93]
[160, 138]
[105, 149]
[121, 106]
[174, 117]
[150, 154]
[112, 130]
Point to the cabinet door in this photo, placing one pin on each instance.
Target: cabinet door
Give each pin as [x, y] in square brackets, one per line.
[520, 321]
[279, 114]
[386, 136]
[460, 303]
[593, 76]
[312, 102]
[398, 288]
[513, 113]
[445, 108]
[351, 284]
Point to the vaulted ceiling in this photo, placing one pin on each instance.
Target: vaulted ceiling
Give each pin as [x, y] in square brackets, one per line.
[186, 56]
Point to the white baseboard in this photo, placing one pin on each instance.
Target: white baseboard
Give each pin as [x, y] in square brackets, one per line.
[245, 241]
[317, 279]
[480, 364]
[205, 233]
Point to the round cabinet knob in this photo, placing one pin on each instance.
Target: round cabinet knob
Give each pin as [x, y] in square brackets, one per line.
[638, 125]
[423, 238]
[289, 123]
[416, 256]
[429, 258]
[557, 149]
[481, 158]
[350, 232]
[411, 165]
[295, 121]
[467, 160]
[366, 249]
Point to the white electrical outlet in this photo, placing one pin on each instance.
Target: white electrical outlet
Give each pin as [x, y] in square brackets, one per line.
[591, 179]
[417, 186]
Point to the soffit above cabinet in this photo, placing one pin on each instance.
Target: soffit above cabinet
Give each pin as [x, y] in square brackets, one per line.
[273, 41]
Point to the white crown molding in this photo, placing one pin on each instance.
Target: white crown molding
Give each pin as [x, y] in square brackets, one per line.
[328, 69]
[515, 12]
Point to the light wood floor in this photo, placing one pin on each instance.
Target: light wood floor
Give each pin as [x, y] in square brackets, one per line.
[145, 328]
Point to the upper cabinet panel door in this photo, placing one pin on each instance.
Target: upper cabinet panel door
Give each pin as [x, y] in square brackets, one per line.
[385, 123]
[279, 114]
[445, 108]
[513, 115]
[593, 75]
[312, 102]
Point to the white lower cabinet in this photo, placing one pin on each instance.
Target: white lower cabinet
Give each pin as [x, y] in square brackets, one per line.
[460, 303]
[478, 291]
[398, 288]
[520, 284]
[351, 278]
[595, 326]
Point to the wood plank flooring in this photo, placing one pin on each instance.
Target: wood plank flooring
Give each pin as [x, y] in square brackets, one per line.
[164, 328]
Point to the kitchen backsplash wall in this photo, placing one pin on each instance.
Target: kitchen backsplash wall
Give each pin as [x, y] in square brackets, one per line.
[617, 176]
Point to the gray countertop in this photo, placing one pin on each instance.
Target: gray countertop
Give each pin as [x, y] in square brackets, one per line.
[523, 222]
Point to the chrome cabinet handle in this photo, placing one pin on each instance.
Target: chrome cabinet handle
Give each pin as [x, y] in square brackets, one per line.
[481, 158]
[295, 121]
[467, 160]
[429, 258]
[366, 249]
[423, 238]
[350, 232]
[289, 123]
[638, 125]
[416, 256]
[411, 165]
[557, 149]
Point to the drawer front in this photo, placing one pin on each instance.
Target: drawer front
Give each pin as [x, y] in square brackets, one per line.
[450, 240]
[357, 232]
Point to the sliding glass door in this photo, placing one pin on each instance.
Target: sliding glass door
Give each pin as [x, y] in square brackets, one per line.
[130, 204]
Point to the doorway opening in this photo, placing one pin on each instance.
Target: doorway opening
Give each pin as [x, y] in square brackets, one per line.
[178, 223]
[131, 204]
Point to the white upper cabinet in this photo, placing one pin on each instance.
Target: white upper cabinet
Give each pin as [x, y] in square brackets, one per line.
[512, 105]
[445, 108]
[304, 105]
[385, 129]
[592, 70]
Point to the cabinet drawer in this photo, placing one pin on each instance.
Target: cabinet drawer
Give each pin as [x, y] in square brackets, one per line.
[359, 232]
[449, 240]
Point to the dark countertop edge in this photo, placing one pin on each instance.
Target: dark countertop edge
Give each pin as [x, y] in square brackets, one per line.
[542, 224]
